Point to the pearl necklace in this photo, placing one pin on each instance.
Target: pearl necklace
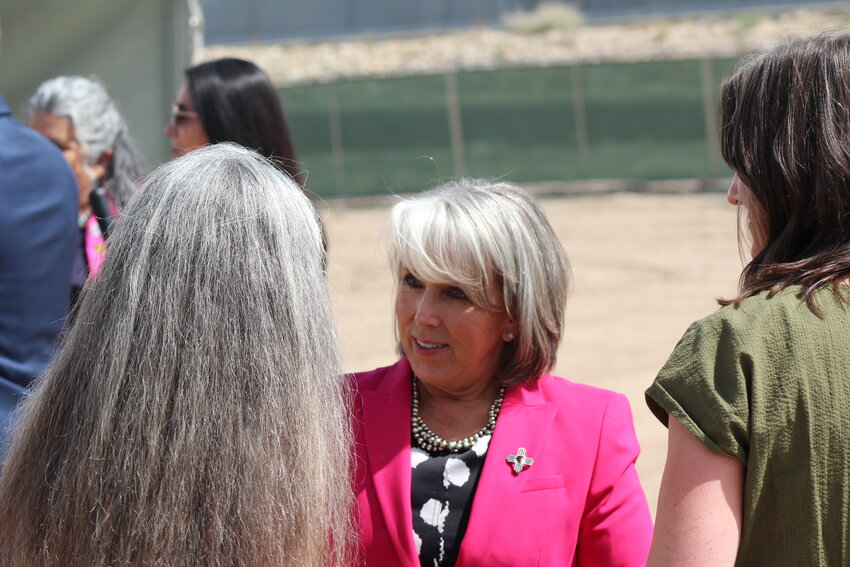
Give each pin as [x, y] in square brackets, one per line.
[429, 441]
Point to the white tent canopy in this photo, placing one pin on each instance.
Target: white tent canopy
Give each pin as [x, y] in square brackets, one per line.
[137, 49]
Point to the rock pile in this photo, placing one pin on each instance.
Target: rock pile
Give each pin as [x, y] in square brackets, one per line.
[305, 63]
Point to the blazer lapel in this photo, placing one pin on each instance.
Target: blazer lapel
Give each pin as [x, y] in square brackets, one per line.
[386, 427]
[523, 422]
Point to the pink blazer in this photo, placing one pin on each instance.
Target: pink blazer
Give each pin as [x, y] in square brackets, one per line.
[579, 504]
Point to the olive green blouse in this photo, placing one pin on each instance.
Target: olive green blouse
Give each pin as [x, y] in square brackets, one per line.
[769, 383]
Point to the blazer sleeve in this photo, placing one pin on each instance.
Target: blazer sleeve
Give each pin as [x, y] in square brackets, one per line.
[616, 528]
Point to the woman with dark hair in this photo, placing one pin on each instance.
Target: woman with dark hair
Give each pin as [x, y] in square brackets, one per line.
[758, 463]
[196, 413]
[231, 100]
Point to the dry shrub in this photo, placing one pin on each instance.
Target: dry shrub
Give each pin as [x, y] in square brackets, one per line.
[546, 17]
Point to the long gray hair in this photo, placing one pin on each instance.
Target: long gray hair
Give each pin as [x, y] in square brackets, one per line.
[98, 127]
[196, 413]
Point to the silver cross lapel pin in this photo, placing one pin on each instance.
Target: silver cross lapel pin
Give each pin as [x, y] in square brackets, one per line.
[520, 460]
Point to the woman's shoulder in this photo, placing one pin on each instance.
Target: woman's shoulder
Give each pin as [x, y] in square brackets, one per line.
[581, 397]
[558, 386]
[764, 307]
[765, 320]
[381, 378]
[595, 415]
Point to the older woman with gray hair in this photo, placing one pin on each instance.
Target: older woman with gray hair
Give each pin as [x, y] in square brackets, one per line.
[213, 429]
[77, 114]
[471, 453]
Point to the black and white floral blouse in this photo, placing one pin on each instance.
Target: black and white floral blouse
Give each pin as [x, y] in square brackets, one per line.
[442, 489]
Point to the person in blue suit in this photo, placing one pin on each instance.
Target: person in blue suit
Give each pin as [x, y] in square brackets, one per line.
[38, 209]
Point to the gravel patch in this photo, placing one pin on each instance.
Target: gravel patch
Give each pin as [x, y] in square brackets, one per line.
[301, 63]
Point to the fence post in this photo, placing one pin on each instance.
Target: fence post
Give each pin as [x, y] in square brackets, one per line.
[337, 149]
[455, 124]
[709, 111]
[580, 114]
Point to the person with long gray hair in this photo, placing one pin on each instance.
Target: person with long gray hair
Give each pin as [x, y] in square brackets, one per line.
[78, 116]
[213, 429]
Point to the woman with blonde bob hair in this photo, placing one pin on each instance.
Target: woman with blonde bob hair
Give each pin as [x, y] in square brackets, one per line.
[212, 429]
[471, 453]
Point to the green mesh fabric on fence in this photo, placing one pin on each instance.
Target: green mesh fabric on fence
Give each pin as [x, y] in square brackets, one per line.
[371, 137]
[606, 121]
[519, 124]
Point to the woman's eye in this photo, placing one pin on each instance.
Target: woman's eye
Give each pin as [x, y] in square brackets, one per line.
[456, 293]
[411, 281]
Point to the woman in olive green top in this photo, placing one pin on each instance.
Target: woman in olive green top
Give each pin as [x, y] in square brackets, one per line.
[758, 464]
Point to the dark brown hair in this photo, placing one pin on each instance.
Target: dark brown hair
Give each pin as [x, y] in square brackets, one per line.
[236, 102]
[785, 131]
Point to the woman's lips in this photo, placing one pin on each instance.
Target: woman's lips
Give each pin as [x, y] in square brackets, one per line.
[427, 347]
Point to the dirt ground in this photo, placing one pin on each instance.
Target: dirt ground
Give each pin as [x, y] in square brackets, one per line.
[644, 267]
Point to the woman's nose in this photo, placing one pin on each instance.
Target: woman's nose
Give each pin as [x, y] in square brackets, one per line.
[426, 310]
[733, 195]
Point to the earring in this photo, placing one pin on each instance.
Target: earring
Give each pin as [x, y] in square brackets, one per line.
[509, 336]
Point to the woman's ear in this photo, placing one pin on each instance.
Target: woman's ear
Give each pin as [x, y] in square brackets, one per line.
[101, 166]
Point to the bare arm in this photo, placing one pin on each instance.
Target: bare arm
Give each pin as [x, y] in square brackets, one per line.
[698, 521]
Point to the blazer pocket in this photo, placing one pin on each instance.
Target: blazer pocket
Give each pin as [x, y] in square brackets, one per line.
[543, 483]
